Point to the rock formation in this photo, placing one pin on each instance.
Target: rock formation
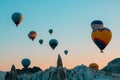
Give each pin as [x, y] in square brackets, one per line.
[12, 75]
[60, 74]
[113, 66]
[59, 62]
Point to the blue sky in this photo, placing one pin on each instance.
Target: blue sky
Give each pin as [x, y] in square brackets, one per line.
[70, 21]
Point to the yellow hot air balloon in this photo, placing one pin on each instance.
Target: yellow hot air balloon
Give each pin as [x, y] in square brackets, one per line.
[94, 66]
[101, 37]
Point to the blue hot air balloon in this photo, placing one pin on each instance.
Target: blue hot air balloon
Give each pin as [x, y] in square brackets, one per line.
[26, 62]
[17, 18]
[41, 41]
[66, 52]
[53, 43]
[96, 24]
[50, 31]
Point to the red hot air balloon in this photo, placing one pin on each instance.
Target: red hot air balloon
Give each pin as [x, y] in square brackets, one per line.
[101, 37]
[32, 35]
[17, 18]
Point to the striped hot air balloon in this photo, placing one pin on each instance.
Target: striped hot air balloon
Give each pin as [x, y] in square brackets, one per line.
[101, 37]
[96, 24]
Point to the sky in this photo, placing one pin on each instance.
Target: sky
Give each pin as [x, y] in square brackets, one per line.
[70, 21]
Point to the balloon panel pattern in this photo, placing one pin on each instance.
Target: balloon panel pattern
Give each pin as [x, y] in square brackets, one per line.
[101, 37]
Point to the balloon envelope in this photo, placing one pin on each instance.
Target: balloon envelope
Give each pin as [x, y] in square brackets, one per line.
[41, 41]
[50, 31]
[66, 52]
[94, 66]
[53, 43]
[101, 37]
[26, 62]
[17, 18]
[96, 24]
[32, 35]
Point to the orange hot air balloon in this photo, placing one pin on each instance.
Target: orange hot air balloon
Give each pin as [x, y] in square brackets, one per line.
[101, 37]
[94, 66]
[32, 35]
[17, 18]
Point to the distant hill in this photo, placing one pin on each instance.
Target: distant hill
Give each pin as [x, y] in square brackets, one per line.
[113, 66]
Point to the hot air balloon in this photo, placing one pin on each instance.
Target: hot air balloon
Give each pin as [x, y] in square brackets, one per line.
[32, 35]
[53, 43]
[101, 37]
[96, 24]
[17, 18]
[94, 66]
[66, 52]
[41, 41]
[25, 62]
[50, 31]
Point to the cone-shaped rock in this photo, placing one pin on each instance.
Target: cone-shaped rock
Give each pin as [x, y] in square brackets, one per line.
[59, 62]
[59, 72]
[12, 75]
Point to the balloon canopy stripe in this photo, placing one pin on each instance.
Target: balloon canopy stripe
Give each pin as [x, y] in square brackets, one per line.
[102, 29]
[104, 36]
[100, 43]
